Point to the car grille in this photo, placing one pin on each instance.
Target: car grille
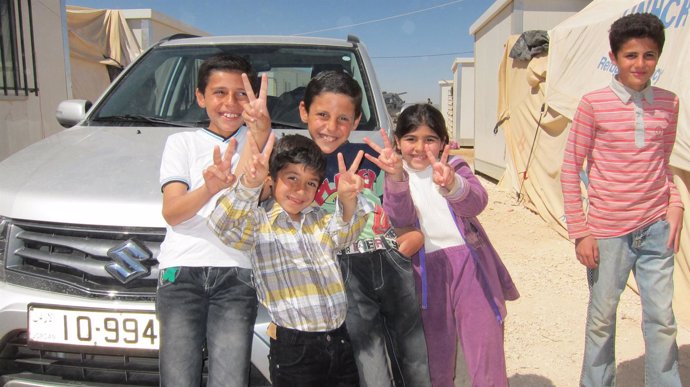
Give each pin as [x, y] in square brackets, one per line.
[71, 259]
[73, 366]
[118, 369]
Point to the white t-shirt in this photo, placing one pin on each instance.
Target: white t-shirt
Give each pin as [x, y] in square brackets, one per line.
[435, 219]
[192, 243]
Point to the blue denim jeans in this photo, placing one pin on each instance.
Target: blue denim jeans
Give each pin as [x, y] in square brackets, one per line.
[215, 306]
[643, 251]
[383, 319]
[312, 359]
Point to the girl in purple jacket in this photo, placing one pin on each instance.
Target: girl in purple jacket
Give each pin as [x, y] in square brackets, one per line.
[461, 280]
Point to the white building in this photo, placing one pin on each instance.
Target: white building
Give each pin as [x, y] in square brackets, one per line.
[446, 106]
[38, 71]
[490, 31]
[463, 101]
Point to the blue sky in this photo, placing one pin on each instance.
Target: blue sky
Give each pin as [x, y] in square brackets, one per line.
[412, 43]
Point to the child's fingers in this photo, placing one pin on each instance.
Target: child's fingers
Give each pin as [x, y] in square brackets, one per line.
[216, 155]
[355, 163]
[372, 145]
[264, 87]
[359, 183]
[248, 115]
[430, 156]
[251, 143]
[268, 148]
[248, 87]
[386, 139]
[447, 175]
[215, 173]
[341, 163]
[230, 150]
[444, 155]
[376, 161]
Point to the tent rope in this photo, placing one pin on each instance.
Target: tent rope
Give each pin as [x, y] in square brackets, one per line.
[531, 151]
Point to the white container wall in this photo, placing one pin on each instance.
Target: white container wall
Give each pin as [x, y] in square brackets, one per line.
[490, 31]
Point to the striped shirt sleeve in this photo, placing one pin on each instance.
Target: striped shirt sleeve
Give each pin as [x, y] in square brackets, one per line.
[344, 233]
[232, 219]
[669, 141]
[577, 149]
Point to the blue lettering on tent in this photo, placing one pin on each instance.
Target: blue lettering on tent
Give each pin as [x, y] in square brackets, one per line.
[683, 14]
[664, 14]
[672, 13]
[656, 7]
[605, 64]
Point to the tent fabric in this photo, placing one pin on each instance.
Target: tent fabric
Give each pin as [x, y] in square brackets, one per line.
[577, 63]
[535, 140]
[97, 37]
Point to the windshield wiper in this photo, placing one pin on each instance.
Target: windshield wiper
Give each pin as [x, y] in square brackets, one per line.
[137, 118]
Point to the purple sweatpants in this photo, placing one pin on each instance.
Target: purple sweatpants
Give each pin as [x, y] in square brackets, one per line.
[458, 307]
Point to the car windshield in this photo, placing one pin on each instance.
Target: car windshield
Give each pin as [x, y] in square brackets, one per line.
[159, 91]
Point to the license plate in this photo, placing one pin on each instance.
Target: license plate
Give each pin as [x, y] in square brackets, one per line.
[99, 328]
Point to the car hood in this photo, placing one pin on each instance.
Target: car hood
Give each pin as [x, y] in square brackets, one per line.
[106, 176]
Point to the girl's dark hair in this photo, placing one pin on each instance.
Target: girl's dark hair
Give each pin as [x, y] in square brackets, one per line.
[297, 149]
[636, 25]
[422, 114]
[338, 82]
[231, 63]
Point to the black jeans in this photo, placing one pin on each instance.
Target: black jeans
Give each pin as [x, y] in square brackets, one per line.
[384, 320]
[216, 305]
[312, 359]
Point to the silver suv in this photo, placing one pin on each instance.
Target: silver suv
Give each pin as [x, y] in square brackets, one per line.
[80, 211]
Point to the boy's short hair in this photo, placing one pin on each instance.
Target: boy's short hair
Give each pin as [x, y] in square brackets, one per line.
[297, 149]
[231, 63]
[338, 82]
[636, 25]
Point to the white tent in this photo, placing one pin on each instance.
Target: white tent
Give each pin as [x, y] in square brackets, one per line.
[538, 98]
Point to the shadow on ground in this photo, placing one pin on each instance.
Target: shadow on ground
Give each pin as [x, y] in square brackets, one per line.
[631, 373]
[518, 380]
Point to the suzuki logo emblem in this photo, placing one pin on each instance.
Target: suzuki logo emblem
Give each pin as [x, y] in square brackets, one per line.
[128, 261]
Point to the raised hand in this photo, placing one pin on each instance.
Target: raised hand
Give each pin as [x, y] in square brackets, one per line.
[389, 160]
[443, 175]
[257, 169]
[349, 182]
[255, 113]
[218, 175]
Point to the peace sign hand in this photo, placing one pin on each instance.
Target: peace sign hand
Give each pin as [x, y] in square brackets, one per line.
[389, 160]
[349, 182]
[257, 170]
[443, 174]
[255, 113]
[218, 175]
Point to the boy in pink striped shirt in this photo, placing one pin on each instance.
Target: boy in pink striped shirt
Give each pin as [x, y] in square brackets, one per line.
[625, 132]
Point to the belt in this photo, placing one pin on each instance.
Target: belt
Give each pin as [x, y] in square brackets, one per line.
[294, 336]
[369, 245]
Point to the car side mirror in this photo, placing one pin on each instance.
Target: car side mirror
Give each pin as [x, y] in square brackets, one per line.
[72, 111]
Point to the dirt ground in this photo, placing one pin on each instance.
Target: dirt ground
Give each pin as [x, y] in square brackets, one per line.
[545, 328]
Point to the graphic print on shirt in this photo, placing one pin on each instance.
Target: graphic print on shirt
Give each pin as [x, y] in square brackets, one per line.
[377, 223]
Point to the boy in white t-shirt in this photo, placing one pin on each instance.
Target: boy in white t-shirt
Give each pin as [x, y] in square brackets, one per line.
[204, 293]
